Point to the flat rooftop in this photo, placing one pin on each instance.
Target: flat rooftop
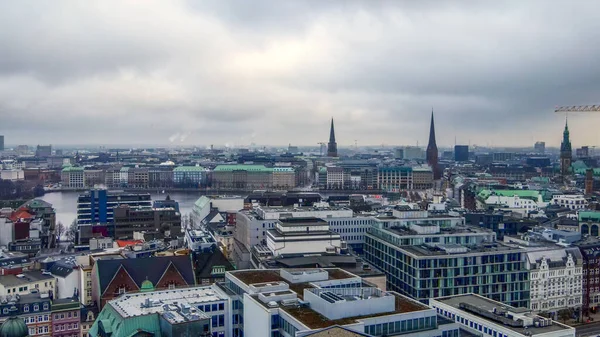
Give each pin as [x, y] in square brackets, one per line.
[264, 276]
[302, 221]
[489, 305]
[28, 277]
[314, 320]
[458, 230]
[135, 304]
[424, 250]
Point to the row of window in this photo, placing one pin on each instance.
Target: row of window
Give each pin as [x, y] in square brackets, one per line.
[470, 324]
[66, 327]
[37, 319]
[212, 307]
[66, 315]
[409, 325]
[26, 308]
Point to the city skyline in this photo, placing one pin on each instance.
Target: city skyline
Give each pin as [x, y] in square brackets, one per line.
[183, 73]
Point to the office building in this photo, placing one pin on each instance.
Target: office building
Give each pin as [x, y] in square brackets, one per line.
[43, 151]
[480, 316]
[243, 177]
[395, 178]
[21, 284]
[589, 223]
[284, 177]
[425, 260]
[423, 178]
[556, 279]
[72, 177]
[198, 311]
[95, 211]
[128, 220]
[1, 143]
[571, 201]
[413, 153]
[539, 147]
[301, 236]
[189, 176]
[297, 302]
[461, 153]
[93, 177]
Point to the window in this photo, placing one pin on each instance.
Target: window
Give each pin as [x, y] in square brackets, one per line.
[26, 308]
[36, 307]
[121, 290]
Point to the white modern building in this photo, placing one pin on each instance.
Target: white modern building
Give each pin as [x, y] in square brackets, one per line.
[12, 174]
[301, 236]
[556, 279]
[198, 240]
[484, 317]
[572, 201]
[297, 302]
[23, 283]
[512, 203]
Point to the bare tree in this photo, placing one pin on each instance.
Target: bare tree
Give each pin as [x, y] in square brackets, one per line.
[60, 230]
[71, 231]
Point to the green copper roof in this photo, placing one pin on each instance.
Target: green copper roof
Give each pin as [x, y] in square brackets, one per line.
[72, 169]
[242, 167]
[589, 216]
[579, 165]
[528, 194]
[147, 286]
[113, 322]
[583, 171]
[189, 169]
[14, 327]
[202, 202]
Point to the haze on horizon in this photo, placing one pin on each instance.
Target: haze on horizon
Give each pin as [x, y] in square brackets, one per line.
[274, 72]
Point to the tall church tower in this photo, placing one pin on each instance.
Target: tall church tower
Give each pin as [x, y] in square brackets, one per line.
[332, 145]
[432, 151]
[566, 153]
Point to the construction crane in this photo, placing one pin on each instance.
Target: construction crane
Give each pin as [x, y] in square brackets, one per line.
[578, 108]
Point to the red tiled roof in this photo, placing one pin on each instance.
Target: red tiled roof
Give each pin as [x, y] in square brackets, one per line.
[125, 243]
[20, 214]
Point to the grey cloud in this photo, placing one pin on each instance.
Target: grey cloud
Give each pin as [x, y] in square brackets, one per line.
[274, 72]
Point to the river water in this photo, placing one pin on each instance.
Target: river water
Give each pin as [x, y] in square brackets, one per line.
[65, 203]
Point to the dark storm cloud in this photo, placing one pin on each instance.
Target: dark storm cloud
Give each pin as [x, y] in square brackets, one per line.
[274, 72]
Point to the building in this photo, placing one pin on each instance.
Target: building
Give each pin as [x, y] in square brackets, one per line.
[128, 220]
[65, 317]
[461, 152]
[198, 311]
[432, 151]
[43, 151]
[301, 236]
[395, 178]
[571, 201]
[555, 279]
[336, 178]
[423, 178]
[67, 277]
[284, 177]
[12, 174]
[332, 145]
[298, 302]
[1, 143]
[427, 261]
[413, 153]
[93, 177]
[23, 283]
[480, 316]
[112, 277]
[244, 177]
[589, 223]
[566, 153]
[87, 318]
[72, 177]
[97, 207]
[189, 176]
[33, 308]
[539, 147]
[199, 241]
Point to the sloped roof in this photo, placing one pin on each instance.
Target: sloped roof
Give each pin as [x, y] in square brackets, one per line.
[61, 270]
[125, 243]
[206, 261]
[202, 202]
[20, 214]
[142, 269]
[243, 167]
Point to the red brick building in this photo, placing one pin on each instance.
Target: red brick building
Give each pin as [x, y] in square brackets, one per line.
[114, 277]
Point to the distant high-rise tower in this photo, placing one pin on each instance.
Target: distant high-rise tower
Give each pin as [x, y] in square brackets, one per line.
[566, 154]
[432, 151]
[332, 145]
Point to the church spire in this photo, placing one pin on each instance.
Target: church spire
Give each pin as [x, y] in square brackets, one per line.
[432, 151]
[332, 145]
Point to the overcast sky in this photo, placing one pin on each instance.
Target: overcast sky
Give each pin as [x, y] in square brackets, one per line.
[275, 72]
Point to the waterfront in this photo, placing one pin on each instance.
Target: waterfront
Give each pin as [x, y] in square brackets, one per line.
[65, 203]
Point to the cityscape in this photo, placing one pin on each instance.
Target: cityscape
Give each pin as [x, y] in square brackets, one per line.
[296, 192]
